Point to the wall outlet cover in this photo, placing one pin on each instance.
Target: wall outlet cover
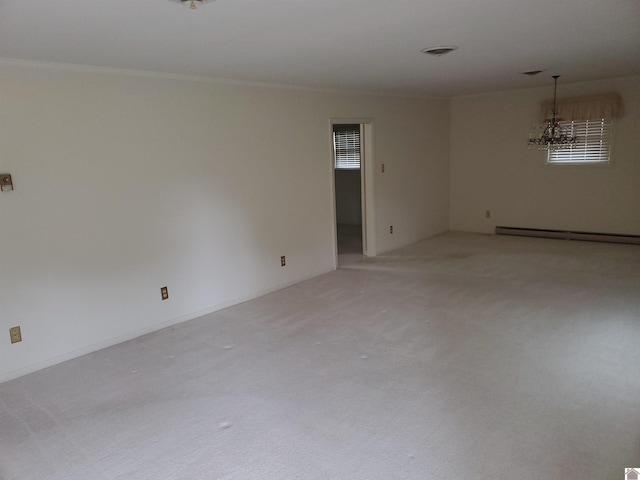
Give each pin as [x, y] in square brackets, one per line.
[16, 334]
[6, 183]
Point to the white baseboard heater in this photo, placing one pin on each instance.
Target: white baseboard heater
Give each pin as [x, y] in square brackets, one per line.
[568, 235]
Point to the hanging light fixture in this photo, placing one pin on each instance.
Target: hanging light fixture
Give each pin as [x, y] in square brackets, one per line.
[553, 136]
[192, 3]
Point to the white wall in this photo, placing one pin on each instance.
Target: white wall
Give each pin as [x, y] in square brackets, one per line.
[492, 169]
[127, 183]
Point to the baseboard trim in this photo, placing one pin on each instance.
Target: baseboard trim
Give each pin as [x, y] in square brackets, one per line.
[569, 235]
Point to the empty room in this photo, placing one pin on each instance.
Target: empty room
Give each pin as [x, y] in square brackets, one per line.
[301, 240]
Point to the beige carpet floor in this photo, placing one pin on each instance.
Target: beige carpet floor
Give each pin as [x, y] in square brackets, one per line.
[463, 356]
[349, 244]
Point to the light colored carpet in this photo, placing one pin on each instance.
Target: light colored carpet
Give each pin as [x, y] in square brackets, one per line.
[465, 355]
[349, 244]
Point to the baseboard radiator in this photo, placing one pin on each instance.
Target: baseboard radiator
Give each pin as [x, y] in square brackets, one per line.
[568, 235]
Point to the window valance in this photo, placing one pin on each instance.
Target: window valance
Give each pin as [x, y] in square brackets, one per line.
[607, 106]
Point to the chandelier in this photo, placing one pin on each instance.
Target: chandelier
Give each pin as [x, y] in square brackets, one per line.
[553, 136]
[192, 3]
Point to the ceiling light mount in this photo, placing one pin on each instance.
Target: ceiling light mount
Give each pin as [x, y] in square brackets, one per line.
[553, 136]
[439, 51]
[193, 4]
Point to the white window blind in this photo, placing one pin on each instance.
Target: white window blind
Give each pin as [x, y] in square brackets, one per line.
[593, 145]
[346, 146]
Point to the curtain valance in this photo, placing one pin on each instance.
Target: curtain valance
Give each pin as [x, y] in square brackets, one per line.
[607, 106]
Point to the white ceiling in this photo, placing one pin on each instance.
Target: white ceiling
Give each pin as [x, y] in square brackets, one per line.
[364, 45]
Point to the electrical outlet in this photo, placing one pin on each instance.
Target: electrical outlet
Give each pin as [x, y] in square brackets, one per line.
[16, 334]
[391, 229]
[6, 183]
[382, 168]
[283, 261]
[164, 292]
[487, 214]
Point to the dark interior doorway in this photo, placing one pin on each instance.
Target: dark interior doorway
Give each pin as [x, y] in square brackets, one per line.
[348, 192]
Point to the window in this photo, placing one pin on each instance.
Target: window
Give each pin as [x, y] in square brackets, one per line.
[346, 146]
[593, 145]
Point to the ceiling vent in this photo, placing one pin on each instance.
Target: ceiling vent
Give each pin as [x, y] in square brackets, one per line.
[438, 51]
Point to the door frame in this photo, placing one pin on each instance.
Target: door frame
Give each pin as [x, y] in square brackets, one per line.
[367, 184]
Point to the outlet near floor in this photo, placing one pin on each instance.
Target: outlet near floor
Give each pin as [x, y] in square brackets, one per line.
[283, 261]
[164, 292]
[16, 334]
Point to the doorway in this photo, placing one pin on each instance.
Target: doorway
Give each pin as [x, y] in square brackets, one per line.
[351, 143]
